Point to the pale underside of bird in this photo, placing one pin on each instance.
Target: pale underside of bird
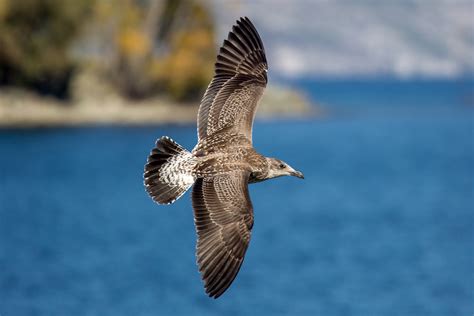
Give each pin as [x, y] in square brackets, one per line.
[223, 162]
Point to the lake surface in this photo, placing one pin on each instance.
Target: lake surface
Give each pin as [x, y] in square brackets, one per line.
[383, 224]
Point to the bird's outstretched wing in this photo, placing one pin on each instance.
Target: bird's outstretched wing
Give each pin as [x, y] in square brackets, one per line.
[223, 216]
[240, 77]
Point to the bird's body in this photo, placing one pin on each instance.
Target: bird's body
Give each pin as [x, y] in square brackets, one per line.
[225, 152]
[223, 162]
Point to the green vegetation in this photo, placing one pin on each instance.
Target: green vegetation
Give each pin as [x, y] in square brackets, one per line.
[34, 39]
[146, 47]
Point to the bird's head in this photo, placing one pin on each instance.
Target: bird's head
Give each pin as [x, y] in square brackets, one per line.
[278, 168]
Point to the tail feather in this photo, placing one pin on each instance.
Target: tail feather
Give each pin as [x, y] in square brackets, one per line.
[168, 171]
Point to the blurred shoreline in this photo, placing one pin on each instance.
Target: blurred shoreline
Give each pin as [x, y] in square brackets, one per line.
[24, 109]
[96, 63]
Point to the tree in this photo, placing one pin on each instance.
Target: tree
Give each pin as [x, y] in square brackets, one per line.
[35, 36]
[165, 47]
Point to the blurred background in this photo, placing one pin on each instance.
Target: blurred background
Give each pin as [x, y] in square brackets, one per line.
[373, 101]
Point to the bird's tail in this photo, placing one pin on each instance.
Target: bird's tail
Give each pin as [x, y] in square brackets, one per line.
[168, 171]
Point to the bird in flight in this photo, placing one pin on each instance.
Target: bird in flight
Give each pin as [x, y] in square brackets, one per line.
[223, 162]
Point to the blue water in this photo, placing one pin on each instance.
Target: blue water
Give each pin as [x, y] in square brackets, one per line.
[383, 224]
[360, 93]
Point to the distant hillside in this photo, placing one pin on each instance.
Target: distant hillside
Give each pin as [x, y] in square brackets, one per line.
[339, 38]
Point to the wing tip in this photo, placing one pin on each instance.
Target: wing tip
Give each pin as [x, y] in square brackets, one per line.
[244, 19]
[243, 48]
[220, 286]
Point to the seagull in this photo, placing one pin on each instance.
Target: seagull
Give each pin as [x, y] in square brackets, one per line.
[223, 162]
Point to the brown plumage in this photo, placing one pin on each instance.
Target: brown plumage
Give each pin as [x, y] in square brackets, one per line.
[223, 162]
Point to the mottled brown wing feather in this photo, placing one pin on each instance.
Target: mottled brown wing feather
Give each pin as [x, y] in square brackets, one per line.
[240, 78]
[223, 216]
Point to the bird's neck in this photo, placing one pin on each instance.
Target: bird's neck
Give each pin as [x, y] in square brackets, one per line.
[260, 173]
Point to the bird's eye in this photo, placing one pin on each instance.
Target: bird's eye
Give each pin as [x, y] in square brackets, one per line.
[282, 166]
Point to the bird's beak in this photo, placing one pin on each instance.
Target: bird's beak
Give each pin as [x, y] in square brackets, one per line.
[297, 174]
